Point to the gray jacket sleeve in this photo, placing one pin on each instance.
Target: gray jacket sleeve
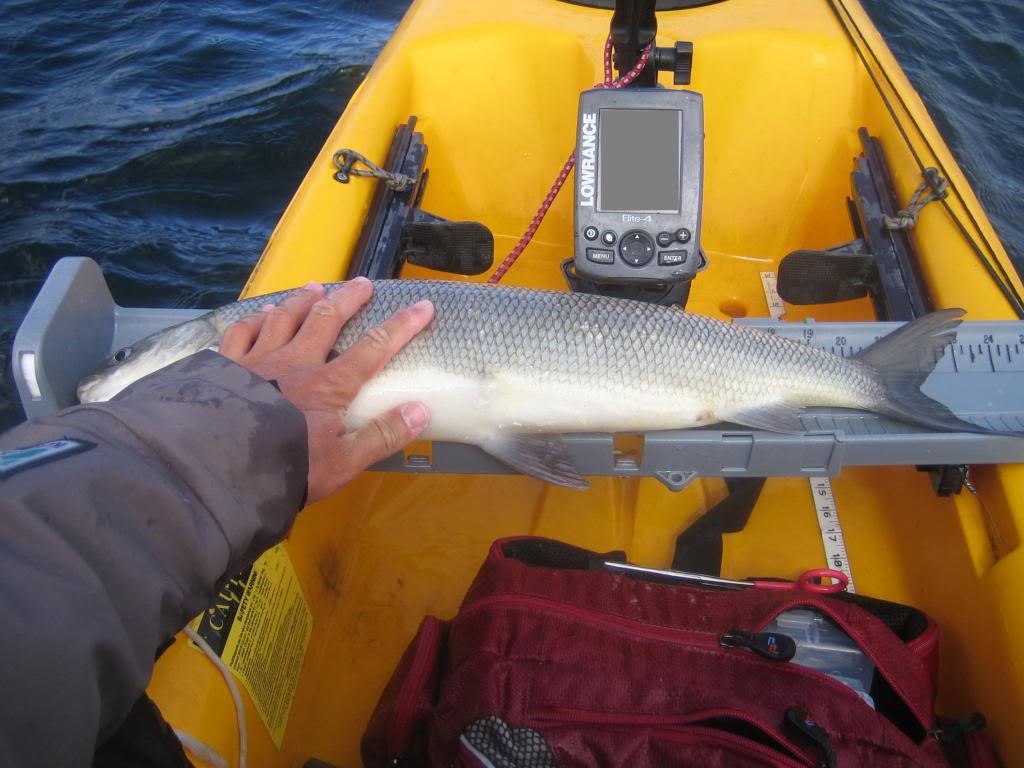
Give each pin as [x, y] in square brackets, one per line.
[106, 553]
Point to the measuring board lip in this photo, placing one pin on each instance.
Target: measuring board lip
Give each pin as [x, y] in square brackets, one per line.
[732, 453]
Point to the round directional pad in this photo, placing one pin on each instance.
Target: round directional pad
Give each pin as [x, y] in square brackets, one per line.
[636, 248]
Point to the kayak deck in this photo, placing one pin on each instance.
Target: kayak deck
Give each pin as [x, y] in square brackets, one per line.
[494, 87]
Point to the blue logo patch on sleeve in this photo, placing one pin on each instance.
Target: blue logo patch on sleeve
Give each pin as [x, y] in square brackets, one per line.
[17, 459]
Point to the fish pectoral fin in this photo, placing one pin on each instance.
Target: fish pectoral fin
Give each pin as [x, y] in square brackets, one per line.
[541, 456]
[774, 417]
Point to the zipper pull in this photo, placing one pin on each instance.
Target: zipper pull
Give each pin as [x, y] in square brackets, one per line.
[799, 719]
[771, 645]
[953, 731]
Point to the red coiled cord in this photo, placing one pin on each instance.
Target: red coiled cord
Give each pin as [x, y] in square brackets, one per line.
[549, 198]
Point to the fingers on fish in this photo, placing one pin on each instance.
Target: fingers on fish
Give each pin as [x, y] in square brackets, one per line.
[365, 359]
[327, 316]
[284, 319]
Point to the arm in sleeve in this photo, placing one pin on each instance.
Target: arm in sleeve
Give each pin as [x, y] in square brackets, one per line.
[107, 553]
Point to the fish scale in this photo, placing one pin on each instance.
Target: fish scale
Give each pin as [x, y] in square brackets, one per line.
[645, 347]
[511, 369]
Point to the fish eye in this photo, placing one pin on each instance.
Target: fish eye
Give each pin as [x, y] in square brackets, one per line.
[122, 354]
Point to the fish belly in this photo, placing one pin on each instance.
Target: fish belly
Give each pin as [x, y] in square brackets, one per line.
[473, 409]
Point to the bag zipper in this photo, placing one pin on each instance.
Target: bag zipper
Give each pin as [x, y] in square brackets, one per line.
[958, 729]
[923, 720]
[405, 703]
[799, 718]
[635, 628]
[620, 624]
[709, 641]
[563, 715]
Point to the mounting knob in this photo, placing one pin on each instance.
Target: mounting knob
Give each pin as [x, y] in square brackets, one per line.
[677, 60]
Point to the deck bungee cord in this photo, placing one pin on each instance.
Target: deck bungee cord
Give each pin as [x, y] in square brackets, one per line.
[563, 174]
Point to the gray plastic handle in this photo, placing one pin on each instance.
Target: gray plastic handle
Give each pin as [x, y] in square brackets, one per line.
[72, 326]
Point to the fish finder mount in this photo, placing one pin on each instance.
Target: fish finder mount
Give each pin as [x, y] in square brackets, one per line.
[639, 173]
[634, 26]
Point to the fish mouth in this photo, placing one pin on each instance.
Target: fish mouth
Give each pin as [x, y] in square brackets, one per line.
[85, 386]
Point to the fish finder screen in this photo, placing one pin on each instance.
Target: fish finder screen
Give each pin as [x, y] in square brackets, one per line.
[639, 160]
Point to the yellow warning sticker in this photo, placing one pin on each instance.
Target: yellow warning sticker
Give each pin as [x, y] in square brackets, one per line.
[260, 625]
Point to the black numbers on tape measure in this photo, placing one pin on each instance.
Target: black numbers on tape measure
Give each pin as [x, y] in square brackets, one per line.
[987, 338]
[841, 341]
[808, 333]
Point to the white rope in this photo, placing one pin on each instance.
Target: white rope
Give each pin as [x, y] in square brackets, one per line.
[236, 697]
[200, 749]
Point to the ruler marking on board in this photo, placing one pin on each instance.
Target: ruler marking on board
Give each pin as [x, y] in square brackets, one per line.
[974, 354]
[980, 348]
[832, 538]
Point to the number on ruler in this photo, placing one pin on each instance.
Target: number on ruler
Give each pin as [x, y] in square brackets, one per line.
[832, 539]
[776, 307]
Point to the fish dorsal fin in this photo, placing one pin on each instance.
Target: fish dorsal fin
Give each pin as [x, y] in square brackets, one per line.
[774, 417]
[540, 456]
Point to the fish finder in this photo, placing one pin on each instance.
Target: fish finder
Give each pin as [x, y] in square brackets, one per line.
[639, 172]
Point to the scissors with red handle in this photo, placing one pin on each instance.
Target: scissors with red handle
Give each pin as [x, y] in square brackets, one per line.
[806, 582]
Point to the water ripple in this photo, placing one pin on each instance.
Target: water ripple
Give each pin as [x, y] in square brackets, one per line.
[164, 139]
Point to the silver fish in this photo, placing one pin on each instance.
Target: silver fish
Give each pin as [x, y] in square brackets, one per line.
[511, 369]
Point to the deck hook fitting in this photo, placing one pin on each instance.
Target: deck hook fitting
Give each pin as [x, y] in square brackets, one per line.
[345, 160]
[906, 218]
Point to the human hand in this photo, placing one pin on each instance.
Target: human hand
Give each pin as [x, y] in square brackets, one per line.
[289, 344]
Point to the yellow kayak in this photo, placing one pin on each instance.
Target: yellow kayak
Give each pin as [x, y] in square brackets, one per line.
[494, 87]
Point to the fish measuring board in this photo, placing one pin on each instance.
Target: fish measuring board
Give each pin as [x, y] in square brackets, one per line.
[977, 349]
[981, 379]
[979, 376]
[833, 541]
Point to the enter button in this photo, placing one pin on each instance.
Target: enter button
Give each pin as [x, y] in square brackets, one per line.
[671, 258]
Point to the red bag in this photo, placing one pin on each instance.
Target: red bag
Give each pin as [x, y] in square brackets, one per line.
[553, 660]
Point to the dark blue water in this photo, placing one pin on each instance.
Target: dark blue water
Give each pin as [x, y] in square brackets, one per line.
[164, 139]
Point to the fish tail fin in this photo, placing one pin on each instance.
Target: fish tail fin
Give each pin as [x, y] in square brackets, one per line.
[904, 359]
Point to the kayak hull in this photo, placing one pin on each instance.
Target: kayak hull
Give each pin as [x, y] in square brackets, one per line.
[494, 87]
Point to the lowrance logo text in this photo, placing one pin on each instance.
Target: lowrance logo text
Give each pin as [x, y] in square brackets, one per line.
[587, 162]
